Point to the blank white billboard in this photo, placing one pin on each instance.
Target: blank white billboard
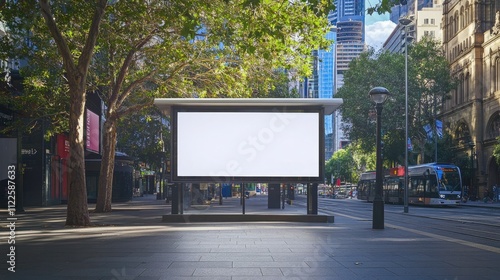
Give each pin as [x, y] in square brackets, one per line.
[247, 145]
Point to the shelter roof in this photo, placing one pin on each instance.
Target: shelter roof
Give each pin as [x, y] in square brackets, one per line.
[329, 104]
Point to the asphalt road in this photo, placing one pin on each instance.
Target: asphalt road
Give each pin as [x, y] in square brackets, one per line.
[472, 226]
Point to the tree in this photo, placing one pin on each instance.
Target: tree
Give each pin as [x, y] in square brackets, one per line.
[146, 49]
[384, 6]
[280, 87]
[34, 32]
[431, 73]
[429, 82]
[144, 136]
[205, 68]
[496, 151]
[341, 165]
[365, 72]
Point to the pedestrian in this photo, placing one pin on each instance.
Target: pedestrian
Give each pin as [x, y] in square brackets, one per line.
[465, 195]
[486, 195]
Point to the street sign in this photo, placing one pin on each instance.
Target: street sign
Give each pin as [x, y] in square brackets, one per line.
[29, 152]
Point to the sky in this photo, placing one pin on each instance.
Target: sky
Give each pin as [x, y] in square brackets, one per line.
[377, 27]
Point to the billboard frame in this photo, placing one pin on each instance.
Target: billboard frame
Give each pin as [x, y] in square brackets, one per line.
[293, 105]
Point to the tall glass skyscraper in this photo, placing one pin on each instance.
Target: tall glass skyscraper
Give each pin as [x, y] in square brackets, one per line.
[349, 11]
[325, 77]
[348, 38]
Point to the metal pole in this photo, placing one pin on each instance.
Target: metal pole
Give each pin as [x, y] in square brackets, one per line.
[406, 122]
[378, 203]
[220, 194]
[175, 199]
[19, 174]
[435, 131]
[243, 198]
[181, 199]
[282, 196]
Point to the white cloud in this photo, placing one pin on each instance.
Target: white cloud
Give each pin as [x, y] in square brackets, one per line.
[378, 32]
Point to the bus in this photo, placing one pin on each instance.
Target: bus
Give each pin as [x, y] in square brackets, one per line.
[428, 184]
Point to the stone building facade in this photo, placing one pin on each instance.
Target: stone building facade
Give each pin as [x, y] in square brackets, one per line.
[471, 41]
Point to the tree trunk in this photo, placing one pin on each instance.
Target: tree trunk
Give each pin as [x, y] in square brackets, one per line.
[105, 191]
[77, 210]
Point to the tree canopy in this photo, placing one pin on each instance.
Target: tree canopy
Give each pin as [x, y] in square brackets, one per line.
[429, 82]
[384, 6]
[341, 165]
[145, 136]
[132, 51]
[496, 151]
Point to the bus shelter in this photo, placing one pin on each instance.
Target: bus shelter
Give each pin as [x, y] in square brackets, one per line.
[244, 140]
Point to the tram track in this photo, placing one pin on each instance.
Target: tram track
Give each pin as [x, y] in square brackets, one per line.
[475, 220]
[463, 231]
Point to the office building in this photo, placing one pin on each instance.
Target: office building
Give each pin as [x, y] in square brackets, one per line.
[349, 19]
[471, 41]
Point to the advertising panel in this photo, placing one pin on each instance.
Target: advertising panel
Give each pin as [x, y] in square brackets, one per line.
[92, 140]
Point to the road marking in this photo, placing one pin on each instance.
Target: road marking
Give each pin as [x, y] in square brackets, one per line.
[449, 239]
[436, 236]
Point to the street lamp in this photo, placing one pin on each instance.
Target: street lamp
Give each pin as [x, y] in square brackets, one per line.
[378, 95]
[406, 22]
[471, 187]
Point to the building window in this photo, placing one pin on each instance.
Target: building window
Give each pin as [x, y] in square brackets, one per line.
[461, 90]
[426, 21]
[497, 74]
[450, 27]
[456, 94]
[462, 134]
[453, 100]
[493, 130]
[466, 18]
[471, 12]
[466, 87]
[462, 18]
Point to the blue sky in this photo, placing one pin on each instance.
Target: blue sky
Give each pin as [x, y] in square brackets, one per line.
[375, 17]
[377, 27]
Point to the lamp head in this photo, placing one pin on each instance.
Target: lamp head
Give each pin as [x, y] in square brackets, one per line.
[379, 95]
[405, 21]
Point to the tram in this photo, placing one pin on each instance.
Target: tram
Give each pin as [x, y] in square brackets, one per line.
[428, 184]
[366, 185]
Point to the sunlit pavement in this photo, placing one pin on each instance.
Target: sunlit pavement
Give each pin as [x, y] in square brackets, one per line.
[133, 243]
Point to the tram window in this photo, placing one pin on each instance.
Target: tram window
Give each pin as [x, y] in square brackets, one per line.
[430, 187]
[414, 187]
[420, 186]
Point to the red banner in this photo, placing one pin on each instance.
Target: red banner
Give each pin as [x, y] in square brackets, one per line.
[92, 143]
[62, 146]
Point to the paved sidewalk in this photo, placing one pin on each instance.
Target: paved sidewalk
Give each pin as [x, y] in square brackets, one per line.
[480, 203]
[133, 243]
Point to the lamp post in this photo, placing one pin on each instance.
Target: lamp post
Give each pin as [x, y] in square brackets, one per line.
[378, 95]
[471, 146]
[406, 22]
